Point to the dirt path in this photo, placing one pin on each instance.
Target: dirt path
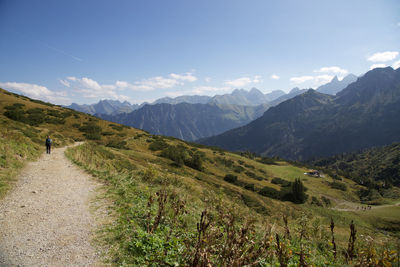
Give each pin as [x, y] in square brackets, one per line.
[351, 206]
[45, 220]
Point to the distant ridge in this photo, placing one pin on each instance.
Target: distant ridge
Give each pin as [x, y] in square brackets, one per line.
[105, 107]
[335, 86]
[188, 121]
[364, 114]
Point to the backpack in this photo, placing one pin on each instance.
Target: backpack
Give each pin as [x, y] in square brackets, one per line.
[48, 141]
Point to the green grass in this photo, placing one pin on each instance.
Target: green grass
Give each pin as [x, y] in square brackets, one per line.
[132, 167]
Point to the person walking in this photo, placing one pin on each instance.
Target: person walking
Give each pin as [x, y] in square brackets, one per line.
[48, 144]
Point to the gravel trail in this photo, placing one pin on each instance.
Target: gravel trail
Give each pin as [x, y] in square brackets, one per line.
[45, 220]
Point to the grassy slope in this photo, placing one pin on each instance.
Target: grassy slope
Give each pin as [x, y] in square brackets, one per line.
[133, 174]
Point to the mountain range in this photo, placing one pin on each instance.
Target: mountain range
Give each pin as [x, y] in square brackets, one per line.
[240, 97]
[364, 114]
[105, 107]
[335, 86]
[188, 121]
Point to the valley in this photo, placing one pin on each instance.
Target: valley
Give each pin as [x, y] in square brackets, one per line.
[159, 188]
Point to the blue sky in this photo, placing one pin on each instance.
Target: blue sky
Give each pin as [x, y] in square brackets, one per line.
[85, 50]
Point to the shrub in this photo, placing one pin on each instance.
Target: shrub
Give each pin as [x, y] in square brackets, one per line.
[315, 201]
[117, 127]
[90, 128]
[93, 136]
[227, 162]
[249, 187]
[249, 166]
[35, 119]
[175, 153]
[250, 174]
[15, 114]
[268, 161]
[230, 178]
[117, 144]
[238, 168]
[277, 180]
[158, 144]
[196, 161]
[270, 192]
[298, 191]
[338, 185]
[326, 200]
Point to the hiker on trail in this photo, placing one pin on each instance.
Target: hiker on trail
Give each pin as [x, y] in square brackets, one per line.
[48, 144]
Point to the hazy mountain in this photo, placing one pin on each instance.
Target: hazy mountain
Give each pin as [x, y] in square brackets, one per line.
[105, 107]
[188, 121]
[241, 97]
[335, 86]
[191, 99]
[294, 92]
[312, 124]
[274, 95]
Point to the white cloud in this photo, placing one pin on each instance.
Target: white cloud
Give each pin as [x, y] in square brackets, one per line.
[207, 79]
[312, 80]
[275, 77]
[65, 83]
[241, 82]
[200, 90]
[374, 66]
[333, 69]
[89, 88]
[37, 92]
[188, 77]
[396, 65]
[160, 82]
[383, 56]
[301, 79]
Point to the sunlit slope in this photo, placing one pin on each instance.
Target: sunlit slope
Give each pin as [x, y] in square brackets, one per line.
[135, 165]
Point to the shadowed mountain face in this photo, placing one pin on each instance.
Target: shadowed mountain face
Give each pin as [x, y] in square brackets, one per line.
[364, 114]
[188, 121]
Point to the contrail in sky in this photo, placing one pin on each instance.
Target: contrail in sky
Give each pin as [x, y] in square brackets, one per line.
[60, 51]
[49, 46]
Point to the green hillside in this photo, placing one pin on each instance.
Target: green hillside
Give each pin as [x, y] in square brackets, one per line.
[378, 169]
[176, 203]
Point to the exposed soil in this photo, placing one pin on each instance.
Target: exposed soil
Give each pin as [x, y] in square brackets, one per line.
[45, 220]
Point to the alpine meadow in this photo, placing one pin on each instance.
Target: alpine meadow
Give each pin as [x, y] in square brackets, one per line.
[211, 133]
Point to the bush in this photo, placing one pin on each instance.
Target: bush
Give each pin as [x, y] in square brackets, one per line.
[196, 162]
[93, 136]
[15, 114]
[175, 153]
[250, 174]
[227, 162]
[117, 144]
[315, 201]
[158, 144]
[338, 185]
[238, 168]
[298, 192]
[249, 187]
[327, 201]
[35, 119]
[230, 178]
[277, 180]
[270, 192]
[268, 161]
[90, 128]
